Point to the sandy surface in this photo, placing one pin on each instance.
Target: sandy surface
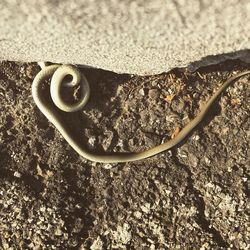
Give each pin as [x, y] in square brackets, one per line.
[129, 36]
[192, 197]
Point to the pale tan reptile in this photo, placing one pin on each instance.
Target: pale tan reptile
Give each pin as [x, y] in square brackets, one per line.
[58, 73]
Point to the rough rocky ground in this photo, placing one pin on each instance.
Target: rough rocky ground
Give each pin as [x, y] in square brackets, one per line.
[195, 196]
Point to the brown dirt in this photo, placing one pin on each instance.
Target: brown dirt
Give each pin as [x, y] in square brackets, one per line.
[192, 197]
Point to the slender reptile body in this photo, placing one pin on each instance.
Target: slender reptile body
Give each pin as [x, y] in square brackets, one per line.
[58, 73]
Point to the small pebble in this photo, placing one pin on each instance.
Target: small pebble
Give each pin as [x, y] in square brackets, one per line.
[142, 92]
[17, 174]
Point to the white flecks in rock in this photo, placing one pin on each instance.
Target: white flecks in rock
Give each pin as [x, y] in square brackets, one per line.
[97, 244]
[142, 92]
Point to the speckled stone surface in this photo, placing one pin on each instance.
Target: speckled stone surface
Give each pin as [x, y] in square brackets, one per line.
[135, 37]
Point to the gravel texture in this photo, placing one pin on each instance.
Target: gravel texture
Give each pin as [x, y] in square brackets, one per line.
[195, 196]
[136, 37]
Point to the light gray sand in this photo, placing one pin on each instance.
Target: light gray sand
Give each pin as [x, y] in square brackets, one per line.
[135, 37]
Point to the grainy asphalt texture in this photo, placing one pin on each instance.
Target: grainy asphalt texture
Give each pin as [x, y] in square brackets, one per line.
[195, 196]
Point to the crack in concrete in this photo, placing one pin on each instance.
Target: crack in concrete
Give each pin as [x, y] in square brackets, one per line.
[201, 206]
